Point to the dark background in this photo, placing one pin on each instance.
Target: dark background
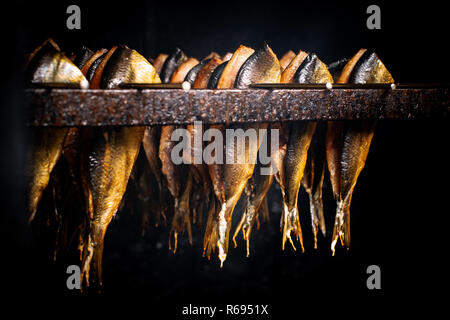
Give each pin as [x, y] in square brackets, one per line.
[398, 210]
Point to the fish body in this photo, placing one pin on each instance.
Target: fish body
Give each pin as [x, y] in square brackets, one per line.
[310, 70]
[247, 66]
[171, 63]
[313, 179]
[286, 59]
[47, 64]
[203, 76]
[112, 154]
[347, 144]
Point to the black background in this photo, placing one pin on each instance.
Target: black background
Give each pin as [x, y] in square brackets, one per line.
[398, 210]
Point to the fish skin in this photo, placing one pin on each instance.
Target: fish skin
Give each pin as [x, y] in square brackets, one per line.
[216, 75]
[246, 66]
[171, 63]
[205, 73]
[295, 160]
[233, 67]
[335, 68]
[310, 70]
[235, 180]
[193, 73]
[183, 69]
[94, 59]
[223, 77]
[84, 54]
[168, 169]
[179, 177]
[348, 143]
[44, 155]
[199, 170]
[278, 157]
[111, 160]
[112, 155]
[50, 65]
[334, 144]
[286, 59]
[258, 186]
[138, 69]
[288, 73]
[213, 171]
[94, 65]
[261, 67]
[150, 144]
[159, 62]
[181, 219]
[313, 180]
[47, 64]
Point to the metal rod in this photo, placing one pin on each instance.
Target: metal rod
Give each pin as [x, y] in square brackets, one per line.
[69, 107]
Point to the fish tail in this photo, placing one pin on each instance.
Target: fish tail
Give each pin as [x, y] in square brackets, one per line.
[317, 216]
[339, 226]
[223, 231]
[93, 254]
[347, 226]
[210, 231]
[314, 218]
[239, 227]
[291, 222]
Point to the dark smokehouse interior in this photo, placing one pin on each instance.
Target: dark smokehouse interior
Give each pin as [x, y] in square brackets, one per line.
[398, 205]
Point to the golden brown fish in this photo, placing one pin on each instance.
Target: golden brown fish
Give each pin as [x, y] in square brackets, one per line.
[85, 67]
[193, 73]
[83, 55]
[159, 61]
[179, 180]
[311, 70]
[48, 65]
[256, 190]
[151, 149]
[171, 63]
[313, 180]
[262, 66]
[113, 153]
[202, 79]
[286, 59]
[213, 175]
[184, 68]
[223, 77]
[347, 144]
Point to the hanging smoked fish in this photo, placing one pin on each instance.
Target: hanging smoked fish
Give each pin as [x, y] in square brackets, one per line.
[223, 77]
[348, 143]
[113, 153]
[313, 180]
[48, 65]
[311, 70]
[262, 66]
[178, 177]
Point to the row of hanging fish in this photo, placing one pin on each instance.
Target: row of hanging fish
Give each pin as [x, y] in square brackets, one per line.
[101, 160]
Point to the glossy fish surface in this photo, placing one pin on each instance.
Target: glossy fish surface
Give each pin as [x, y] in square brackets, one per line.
[171, 63]
[348, 143]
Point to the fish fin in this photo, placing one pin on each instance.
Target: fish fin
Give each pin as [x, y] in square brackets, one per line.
[291, 223]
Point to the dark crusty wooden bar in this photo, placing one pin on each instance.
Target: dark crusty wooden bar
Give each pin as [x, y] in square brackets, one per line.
[76, 107]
